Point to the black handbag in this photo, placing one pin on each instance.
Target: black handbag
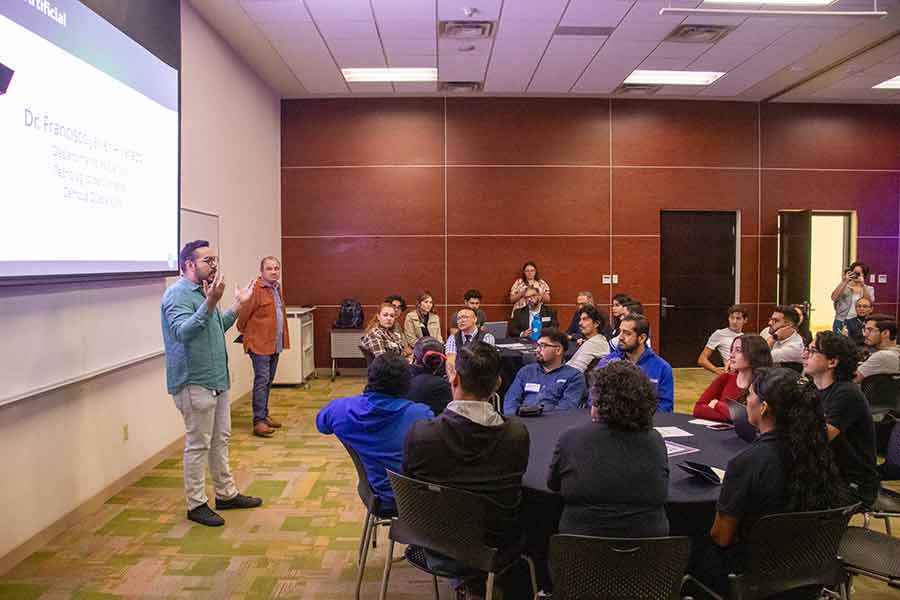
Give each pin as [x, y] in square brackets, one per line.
[533, 410]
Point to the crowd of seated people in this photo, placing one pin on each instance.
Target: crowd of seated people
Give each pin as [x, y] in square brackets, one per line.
[801, 394]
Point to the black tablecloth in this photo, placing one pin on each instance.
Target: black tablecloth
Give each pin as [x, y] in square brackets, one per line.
[691, 506]
[716, 448]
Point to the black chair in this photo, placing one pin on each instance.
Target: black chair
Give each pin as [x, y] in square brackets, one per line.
[871, 554]
[450, 522]
[882, 391]
[793, 366]
[368, 355]
[790, 551]
[886, 507]
[376, 515]
[594, 568]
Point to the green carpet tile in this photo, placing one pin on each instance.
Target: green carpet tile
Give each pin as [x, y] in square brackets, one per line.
[301, 544]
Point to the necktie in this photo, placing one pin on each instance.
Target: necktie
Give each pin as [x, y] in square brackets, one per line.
[467, 339]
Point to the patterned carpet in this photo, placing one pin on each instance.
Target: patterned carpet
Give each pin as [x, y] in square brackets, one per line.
[300, 544]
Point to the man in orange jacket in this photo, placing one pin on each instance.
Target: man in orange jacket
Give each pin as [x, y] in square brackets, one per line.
[263, 321]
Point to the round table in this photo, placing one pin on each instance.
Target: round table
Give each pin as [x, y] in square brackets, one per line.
[691, 505]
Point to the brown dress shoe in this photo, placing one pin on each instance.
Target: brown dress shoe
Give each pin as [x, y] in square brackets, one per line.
[273, 423]
[262, 429]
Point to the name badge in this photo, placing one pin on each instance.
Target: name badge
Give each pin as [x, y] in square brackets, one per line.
[560, 381]
[654, 381]
[532, 387]
[545, 319]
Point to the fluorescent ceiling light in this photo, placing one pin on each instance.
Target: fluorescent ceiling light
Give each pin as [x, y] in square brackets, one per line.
[673, 77]
[379, 74]
[891, 84]
[775, 2]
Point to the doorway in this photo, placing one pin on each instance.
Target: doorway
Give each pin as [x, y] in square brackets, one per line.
[830, 255]
[697, 280]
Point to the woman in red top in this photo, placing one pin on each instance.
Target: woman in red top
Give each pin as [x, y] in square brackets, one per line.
[748, 352]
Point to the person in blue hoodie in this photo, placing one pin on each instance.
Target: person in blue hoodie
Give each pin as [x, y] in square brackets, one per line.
[547, 382]
[375, 423]
[634, 331]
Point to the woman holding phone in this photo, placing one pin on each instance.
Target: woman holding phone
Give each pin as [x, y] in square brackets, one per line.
[851, 288]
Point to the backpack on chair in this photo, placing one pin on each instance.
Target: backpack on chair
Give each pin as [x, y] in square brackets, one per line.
[350, 315]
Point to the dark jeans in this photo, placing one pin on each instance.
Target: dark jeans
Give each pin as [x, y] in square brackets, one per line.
[264, 366]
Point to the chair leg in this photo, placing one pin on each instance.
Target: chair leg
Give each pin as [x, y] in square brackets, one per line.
[362, 537]
[370, 525]
[489, 587]
[387, 571]
[531, 571]
[437, 592]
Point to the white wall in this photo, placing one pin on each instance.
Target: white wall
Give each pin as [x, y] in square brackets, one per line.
[62, 448]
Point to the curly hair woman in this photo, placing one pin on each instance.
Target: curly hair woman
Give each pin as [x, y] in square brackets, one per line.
[788, 468]
[612, 471]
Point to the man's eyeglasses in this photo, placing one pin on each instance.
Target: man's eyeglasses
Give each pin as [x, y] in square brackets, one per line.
[210, 260]
[542, 345]
[811, 350]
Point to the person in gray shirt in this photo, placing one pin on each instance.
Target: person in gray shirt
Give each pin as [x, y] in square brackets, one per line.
[880, 336]
[594, 345]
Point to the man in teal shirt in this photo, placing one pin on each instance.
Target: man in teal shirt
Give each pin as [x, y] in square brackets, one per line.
[197, 377]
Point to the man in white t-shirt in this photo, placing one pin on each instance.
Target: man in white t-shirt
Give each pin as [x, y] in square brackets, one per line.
[781, 334]
[880, 333]
[721, 339]
[594, 345]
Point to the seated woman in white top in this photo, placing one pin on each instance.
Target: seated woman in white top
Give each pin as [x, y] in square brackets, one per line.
[592, 322]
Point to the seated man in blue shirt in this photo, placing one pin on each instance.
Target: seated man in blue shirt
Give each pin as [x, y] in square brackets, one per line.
[634, 331]
[548, 381]
[375, 422]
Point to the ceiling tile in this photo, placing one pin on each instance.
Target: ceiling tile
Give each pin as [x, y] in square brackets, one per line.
[462, 68]
[411, 47]
[407, 29]
[415, 88]
[339, 10]
[452, 10]
[513, 63]
[677, 50]
[533, 10]
[371, 87]
[452, 46]
[412, 60]
[653, 63]
[563, 63]
[592, 13]
[396, 10]
[347, 30]
[275, 10]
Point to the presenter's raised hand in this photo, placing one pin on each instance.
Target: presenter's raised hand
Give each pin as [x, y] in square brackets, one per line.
[242, 294]
[215, 289]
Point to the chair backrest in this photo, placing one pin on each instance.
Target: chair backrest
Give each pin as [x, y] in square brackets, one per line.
[443, 519]
[587, 568]
[363, 487]
[892, 454]
[793, 366]
[791, 550]
[368, 355]
[882, 390]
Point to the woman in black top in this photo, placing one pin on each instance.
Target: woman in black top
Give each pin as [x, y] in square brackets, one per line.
[613, 471]
[429, 375]
[788, 468]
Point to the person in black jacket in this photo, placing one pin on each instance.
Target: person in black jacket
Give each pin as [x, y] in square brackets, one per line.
[471, 447]
[522, 320]
[429, 384]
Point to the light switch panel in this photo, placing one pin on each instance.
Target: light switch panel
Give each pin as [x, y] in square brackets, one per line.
[882, 278]
[607, 280]
[615, 278]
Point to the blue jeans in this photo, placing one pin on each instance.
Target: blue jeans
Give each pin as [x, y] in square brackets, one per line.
[264, 366]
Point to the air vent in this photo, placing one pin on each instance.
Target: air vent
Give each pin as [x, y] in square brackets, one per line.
[468, 30]
[698, 34]
[637, 89]
[586, 31]
[459, 87]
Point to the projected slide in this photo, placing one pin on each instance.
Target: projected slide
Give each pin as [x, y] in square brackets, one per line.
[88, 146]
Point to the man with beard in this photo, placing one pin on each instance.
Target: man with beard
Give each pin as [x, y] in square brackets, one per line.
[634, 331]
[197, 377]
[534, 317]
[547, 382]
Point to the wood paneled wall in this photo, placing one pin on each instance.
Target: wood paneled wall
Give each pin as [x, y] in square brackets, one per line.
[387, 196]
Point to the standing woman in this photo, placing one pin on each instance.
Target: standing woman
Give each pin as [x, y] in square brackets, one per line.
[421, 322]
[748, 353]
[851, 288]
[380, 336]
[529, 278]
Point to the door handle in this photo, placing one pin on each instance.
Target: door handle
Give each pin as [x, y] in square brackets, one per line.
[665, 303]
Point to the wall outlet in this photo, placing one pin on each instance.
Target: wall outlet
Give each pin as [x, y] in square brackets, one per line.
[607, 280]
[125, 432]
[615, 278]
[882, 278]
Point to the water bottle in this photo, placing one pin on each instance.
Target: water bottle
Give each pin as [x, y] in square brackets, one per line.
[536, 326]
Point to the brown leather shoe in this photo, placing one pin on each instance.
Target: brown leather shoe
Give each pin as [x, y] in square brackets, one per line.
[262, 429]
[273, 423]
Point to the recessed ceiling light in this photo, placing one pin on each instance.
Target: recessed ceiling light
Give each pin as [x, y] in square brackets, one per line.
[776, 2]
[891, 84]
[673, 77]
[396, 74]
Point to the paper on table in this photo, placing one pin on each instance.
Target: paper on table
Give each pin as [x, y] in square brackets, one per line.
[719, 472]
[514, 346]
[673, 449]
[668, 432]
[703, 422]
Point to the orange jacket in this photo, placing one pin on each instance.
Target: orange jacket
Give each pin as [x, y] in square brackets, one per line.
[258, 323]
